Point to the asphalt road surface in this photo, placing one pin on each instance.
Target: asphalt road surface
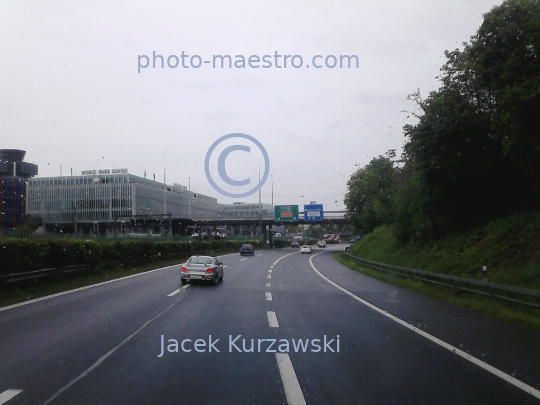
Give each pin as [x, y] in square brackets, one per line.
[283, 327]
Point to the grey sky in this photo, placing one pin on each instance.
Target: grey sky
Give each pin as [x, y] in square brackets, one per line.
[72, 97]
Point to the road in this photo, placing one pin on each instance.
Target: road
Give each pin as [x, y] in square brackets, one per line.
[339, 338]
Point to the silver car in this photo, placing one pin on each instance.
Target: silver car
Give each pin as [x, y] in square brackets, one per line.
[202, 268]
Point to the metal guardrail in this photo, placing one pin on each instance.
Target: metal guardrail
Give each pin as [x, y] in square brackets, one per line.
[499, 291]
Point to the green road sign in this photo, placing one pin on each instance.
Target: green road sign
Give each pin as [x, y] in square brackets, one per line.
[284, 213]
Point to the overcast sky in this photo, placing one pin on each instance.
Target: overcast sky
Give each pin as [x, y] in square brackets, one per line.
[72, 96]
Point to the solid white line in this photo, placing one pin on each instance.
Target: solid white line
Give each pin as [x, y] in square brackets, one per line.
[224, 267]
[521, 385]
[7, 395]
[269, 276]
[109, 353]
[177, 291]
[260, 254]
[282, 257]
[268, 296]
[293, 392]
[272, 319]
[245, 258]
[20, 304]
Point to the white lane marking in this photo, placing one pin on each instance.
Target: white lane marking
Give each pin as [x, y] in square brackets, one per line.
[271, 267]
[269, 276]
[245, 258]
[272, 319]
[20, 304]
[501, 374]
[268, 296]
[269, 284]
[177, 291]
[109, 353]
[270, 271]
[8, 394]
[282, 257]
[260, 254]
[293, 392]
[224, 267]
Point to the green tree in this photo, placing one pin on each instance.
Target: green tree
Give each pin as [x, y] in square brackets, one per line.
[368, 200]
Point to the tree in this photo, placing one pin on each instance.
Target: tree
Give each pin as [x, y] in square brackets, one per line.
[369, 197]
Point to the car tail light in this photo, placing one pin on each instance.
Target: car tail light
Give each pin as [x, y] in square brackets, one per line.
[209, 270]
[250, 248]
[184, 268]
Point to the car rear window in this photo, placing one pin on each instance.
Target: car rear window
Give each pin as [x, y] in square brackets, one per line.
[246, 246]
[201, 260]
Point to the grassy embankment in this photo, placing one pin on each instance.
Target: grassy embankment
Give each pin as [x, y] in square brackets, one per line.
[509, 247]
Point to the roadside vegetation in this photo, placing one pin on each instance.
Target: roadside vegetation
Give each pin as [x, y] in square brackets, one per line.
[465, 193]
[103, 260]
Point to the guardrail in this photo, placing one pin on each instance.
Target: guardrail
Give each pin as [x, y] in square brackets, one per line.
[519, 295]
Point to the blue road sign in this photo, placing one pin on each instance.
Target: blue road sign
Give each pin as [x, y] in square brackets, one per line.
[313, 212]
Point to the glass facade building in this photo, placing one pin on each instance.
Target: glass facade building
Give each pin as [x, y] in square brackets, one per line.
[107, 198]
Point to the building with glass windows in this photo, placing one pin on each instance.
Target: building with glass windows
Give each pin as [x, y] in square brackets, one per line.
[14, 173]
[114, 201]
[241, 210]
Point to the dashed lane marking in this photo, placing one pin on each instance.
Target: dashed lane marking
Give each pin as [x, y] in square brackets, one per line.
[245, 258]
[269, 284]
[177, 291]
[268, 296]
[272, 319]
[293, 392]
[269, 276]
[8, 394]
[270, 271]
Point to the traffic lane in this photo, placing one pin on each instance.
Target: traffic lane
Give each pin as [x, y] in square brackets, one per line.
[489, 339]
[45, 343]
[136, 375]
[379, 360]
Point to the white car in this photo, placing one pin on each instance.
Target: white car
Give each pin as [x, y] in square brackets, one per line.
[321, 244]
[305, 249]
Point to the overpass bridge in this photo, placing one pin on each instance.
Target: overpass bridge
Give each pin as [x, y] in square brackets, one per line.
[167, 224]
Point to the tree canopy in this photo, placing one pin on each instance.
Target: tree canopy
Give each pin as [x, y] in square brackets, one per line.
[472, 155]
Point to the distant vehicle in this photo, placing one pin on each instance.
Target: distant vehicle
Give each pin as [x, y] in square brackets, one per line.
[298, 238]
[352, 240]
[277, 235]
[247, 249]
[305, 249]
[295, 244]
[321, 244]
[195, 235]
[202, 268]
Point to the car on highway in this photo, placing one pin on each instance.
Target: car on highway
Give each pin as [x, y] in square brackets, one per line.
[247, 249]
[295, 244]
[321, 244]
[202, 268]
[305, 249]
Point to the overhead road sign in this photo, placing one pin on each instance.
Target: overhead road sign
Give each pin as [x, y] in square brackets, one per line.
[283, 213]
[313, 212]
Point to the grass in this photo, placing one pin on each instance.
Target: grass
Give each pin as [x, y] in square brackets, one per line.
[510, 248]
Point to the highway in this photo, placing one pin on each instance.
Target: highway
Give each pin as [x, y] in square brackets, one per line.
[282, 328]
